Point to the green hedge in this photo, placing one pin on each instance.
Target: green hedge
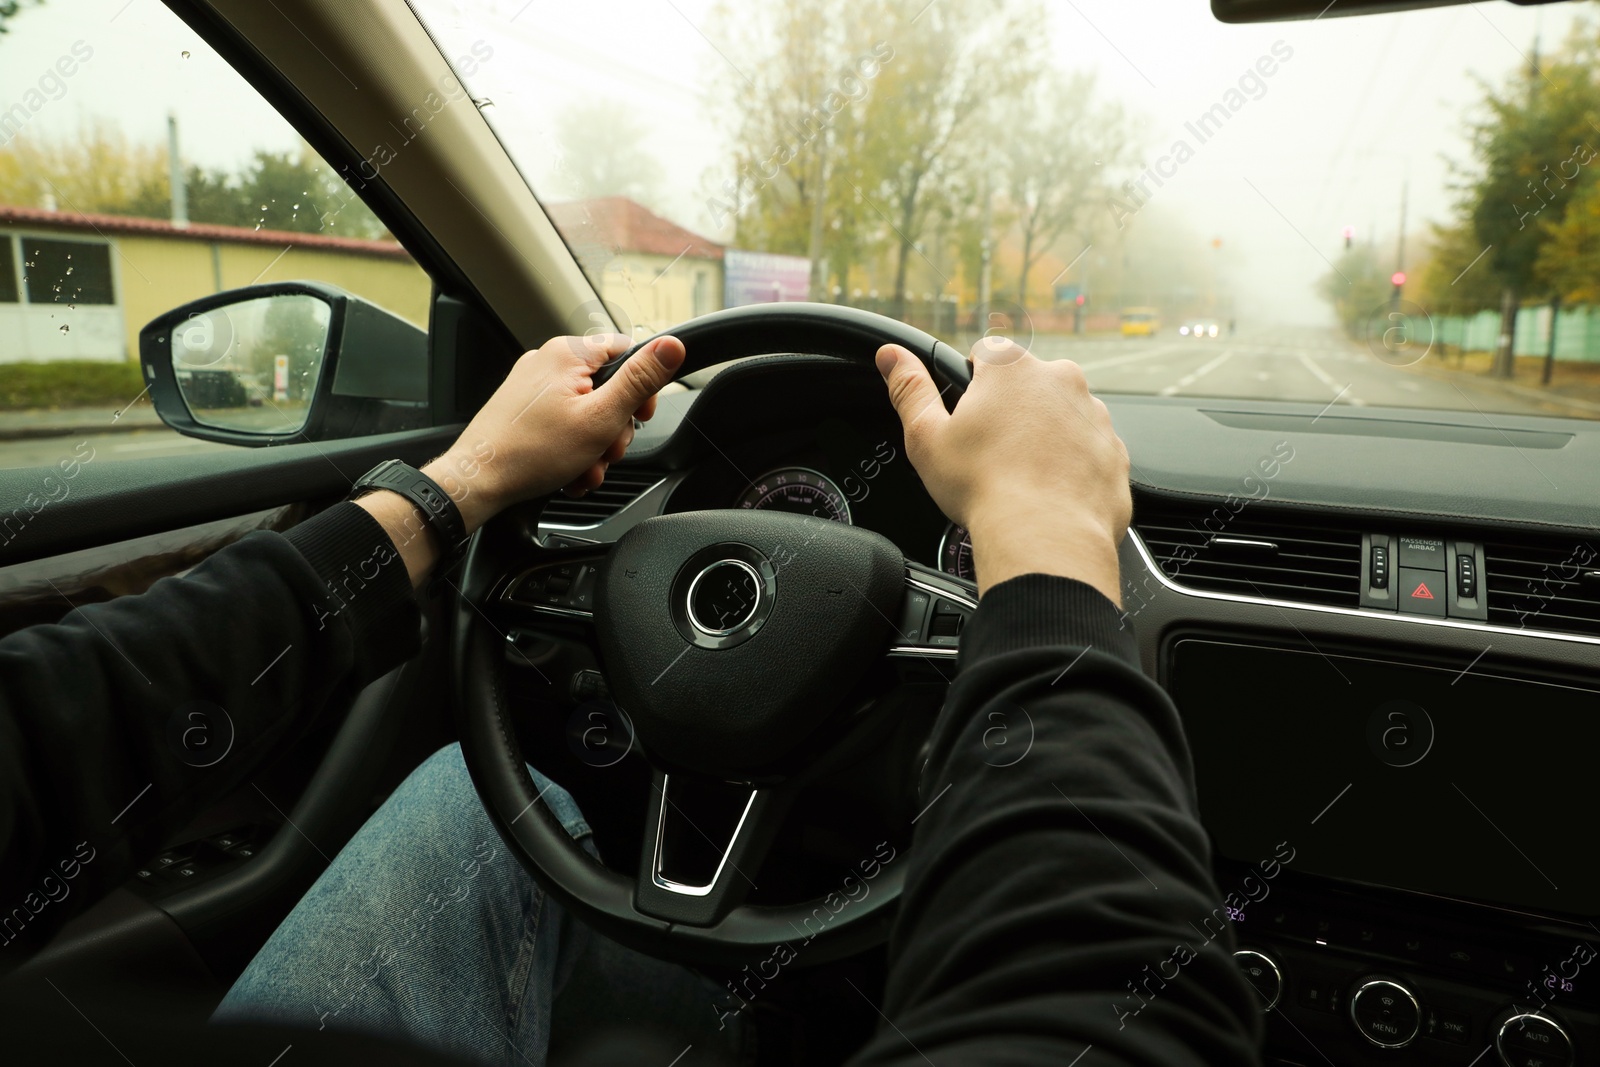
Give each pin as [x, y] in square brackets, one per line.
[67, 384]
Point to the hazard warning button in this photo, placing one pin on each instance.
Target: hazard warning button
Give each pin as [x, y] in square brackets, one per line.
[1421, 592]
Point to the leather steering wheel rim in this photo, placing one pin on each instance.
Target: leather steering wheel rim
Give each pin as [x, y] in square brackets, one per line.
[601, 897]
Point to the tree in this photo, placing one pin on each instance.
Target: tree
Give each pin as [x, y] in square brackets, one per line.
[10, 9]
[1358, 288]
[294, 191]
[793, 110]
[603, 154]
[1060, 146]
[1454, 280]
[935, 106]
[1526, 146]
[96, 170]
[1570, 258]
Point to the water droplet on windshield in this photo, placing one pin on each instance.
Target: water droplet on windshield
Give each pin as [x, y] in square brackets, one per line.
[65, 328]
[186, 55]
[69, 270]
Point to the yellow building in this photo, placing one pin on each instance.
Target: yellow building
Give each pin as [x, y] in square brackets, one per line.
[652, 273]
[76, 286]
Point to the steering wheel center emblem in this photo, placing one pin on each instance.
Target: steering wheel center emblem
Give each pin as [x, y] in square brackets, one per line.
[724, 597]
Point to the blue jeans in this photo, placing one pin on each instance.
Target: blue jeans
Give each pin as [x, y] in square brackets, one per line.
[426, 927]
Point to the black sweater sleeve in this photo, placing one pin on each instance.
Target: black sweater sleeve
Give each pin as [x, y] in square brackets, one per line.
[1059, 896]
[120, 721]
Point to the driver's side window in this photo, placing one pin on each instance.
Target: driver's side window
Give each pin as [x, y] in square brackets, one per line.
[139, 173]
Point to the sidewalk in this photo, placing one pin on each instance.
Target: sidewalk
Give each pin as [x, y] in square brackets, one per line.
[1574, 388]
[65, 422]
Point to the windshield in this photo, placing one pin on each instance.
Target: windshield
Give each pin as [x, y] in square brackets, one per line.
[1379, 211]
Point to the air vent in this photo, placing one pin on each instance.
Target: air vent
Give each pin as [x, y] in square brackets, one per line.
[621, 488]
[1250, 555]
[1551, 585]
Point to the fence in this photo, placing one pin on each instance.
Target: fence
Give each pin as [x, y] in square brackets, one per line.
[1577, 332]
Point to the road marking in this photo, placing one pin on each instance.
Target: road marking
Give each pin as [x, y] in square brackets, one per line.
[1132, 357]
[1189, 379]
[1327, 379]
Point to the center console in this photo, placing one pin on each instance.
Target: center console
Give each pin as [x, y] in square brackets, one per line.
[1406, 851]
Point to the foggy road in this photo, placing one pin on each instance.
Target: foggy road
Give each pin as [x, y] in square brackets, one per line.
[1317, 366]
[1285, 363]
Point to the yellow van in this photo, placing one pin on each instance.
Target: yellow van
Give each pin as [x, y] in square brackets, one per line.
[1140, 322]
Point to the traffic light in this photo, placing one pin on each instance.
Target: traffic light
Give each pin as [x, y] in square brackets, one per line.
[1080, 300]
[1398, 280]
[1349, 235]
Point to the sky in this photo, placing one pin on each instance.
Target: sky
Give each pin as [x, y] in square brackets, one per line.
[1360, 108]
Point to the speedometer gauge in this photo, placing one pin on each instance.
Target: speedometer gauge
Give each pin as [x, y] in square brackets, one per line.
[799, 490]
[955, 553]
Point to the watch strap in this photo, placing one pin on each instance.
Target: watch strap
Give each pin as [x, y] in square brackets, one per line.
[442, 515]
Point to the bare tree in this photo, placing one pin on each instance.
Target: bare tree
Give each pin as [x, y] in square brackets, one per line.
[1061, 145]
[957, 63]
[603, 153]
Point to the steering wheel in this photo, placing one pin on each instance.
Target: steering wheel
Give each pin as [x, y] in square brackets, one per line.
[733, 640]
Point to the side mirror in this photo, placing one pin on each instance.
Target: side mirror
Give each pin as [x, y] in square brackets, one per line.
[282, 362]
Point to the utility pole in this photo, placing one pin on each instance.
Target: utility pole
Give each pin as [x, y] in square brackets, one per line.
[1550, 353]
[985, 275]
[819, 204]
[180, 192]
[1400, 250]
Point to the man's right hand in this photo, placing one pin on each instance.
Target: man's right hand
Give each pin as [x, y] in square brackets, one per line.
[1028, 462]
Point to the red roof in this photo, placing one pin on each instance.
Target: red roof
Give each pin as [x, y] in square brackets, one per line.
[626, 226]
[195, 231]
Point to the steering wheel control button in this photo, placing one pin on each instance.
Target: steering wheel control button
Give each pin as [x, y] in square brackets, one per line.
[933, 613]
[949, 618]
[914, 617]
[1422, 592]
[724, 597]
[1263, 974]
[565, 588]
[1385, 1013]
[1425, 552]
[1529, 1039]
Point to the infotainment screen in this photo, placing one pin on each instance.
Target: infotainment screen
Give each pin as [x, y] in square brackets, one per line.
[1448, 781]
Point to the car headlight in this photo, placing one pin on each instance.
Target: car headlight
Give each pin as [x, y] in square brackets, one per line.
[1184, 330]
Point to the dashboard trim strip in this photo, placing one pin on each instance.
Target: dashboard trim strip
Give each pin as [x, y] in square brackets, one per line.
[1389, 616]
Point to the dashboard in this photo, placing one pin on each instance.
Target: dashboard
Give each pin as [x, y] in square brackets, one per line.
[1382, 630]
[838, 470]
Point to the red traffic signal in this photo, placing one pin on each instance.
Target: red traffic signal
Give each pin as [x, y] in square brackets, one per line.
[1398, 278]
[1080, 300]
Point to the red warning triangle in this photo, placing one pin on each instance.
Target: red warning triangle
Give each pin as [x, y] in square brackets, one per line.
[1421, 592]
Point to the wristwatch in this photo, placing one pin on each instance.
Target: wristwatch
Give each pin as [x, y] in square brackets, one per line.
[443, 517]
